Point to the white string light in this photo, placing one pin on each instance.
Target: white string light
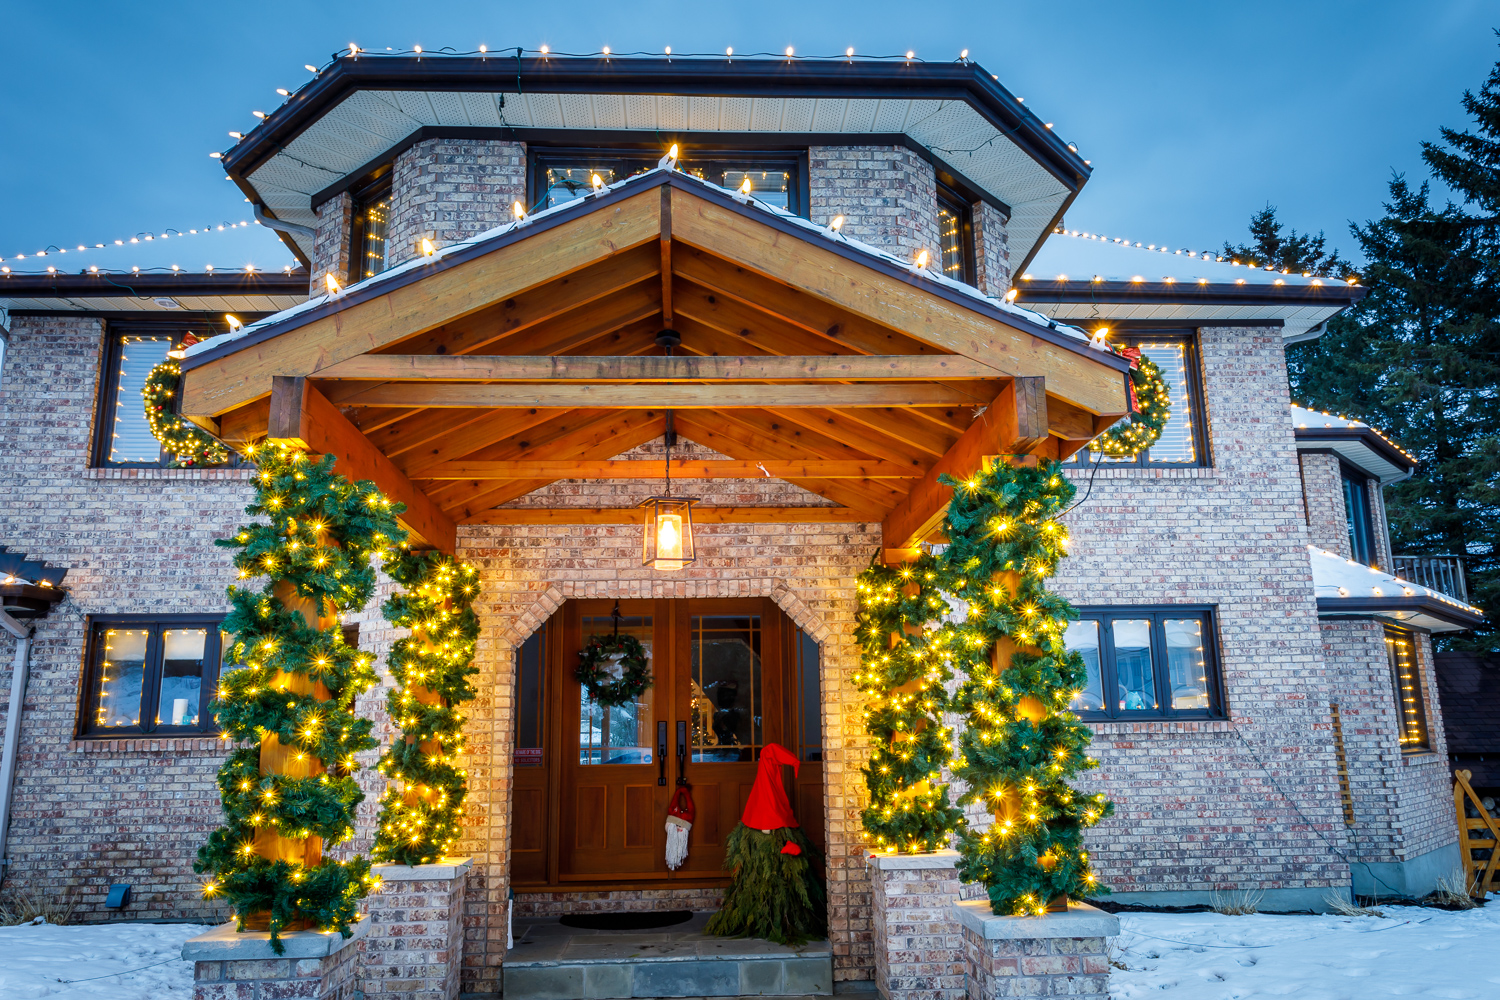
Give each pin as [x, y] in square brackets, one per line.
[1164, 248]
[164, 234]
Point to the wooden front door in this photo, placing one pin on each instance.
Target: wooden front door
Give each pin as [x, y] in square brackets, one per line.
[593, 784]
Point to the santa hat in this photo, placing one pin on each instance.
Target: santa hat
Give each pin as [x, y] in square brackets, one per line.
[767, 807]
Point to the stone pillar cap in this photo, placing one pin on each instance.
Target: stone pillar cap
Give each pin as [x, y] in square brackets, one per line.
[225, 944]
[441, 869]
[896, 862]
[1081, 921]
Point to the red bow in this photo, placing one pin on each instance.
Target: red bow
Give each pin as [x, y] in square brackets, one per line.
[1132, 353]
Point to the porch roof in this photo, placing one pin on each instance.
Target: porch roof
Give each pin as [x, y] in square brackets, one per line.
[1346, 588]
[477, 375]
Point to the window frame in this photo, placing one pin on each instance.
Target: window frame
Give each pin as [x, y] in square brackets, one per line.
[963, 208]
[1206, 613]
[88, 695]
[1391, 633]
[1363, 525]
[625, 159]
[374, 187]
[109, 386]
[1194, 362]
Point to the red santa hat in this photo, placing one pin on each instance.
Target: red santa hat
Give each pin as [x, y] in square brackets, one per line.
[767, 807]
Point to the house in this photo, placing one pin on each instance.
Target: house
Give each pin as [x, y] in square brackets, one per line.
[517, 305]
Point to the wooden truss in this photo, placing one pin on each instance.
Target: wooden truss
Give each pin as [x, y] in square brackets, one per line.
[482, 376]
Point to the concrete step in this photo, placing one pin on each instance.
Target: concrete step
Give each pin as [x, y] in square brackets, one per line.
[553, 962]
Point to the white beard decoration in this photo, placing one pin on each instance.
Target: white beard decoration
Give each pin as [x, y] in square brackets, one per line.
[677, 841]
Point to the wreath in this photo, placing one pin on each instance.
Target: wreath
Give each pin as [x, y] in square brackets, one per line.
[613, 669]
[1150, 408]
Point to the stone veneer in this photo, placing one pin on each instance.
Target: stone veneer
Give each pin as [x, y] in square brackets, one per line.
[414, 949]
[992, 264]
[313, 965]
[919, 946]
[448, 190]
[886, 194]
[332, 247]
[1059, 954]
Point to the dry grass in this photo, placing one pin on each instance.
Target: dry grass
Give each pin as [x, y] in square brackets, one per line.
[1452, 892]
[1342, 906]
[1236, 903]
[23, 907]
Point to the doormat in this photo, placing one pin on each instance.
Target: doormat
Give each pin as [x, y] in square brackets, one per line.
[626, 921]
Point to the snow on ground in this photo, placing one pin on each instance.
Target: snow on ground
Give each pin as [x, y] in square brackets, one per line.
[1413, 952]
[36, 959]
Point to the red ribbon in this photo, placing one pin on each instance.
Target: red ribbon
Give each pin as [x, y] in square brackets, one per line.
[1134, 354]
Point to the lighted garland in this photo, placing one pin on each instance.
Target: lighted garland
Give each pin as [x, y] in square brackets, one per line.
[903, 674]
[319, 545]
[422, 806]
[188, 444]
[1151, 407]
[598, 678]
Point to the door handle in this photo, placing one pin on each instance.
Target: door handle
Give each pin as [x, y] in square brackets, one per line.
[682, 753]
[661, 753]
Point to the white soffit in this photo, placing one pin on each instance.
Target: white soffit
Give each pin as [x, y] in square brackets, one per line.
[368, 123]
[1357, 451]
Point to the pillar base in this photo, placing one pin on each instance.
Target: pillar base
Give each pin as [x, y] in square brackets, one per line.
[1059, 954]
[241, 965]
[919, 946]
[414, 950]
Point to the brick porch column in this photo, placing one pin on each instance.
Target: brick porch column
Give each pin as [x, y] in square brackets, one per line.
[919, 947]
[1059, 954]
[415, 947]
[313, 965]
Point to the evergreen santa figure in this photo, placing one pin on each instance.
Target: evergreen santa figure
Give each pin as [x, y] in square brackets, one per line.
[777, 891]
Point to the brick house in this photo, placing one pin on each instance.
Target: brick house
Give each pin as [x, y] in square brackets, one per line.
[1261, 687]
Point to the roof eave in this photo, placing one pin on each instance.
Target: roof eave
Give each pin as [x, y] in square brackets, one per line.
[1429, 612]
[1366, 438]
[1187, 293]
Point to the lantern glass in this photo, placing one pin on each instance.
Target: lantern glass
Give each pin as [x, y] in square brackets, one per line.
[667, 541]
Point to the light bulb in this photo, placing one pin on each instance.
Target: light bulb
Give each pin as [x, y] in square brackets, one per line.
[669, 536]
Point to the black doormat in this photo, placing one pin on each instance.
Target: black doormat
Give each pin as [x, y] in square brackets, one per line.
[626, 921]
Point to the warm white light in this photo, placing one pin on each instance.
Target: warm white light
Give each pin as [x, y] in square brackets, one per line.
[519, 210]
[596, 182]
[216, 156]
[1010, 296]
[910, 54]
[669, 50]
[427, 248]
[310, 67]
[235, 135]
[606, 50]
[258, 114]
[849, 52]
[283, 92]
[417, 49]
[545, 49]
[837, 223]
[922, 258]
[483, 49]
[789, 51]
[233, 321]
[745, 186]
[729, 51]
[669, 537]
[964, 54]
[672, 153]
[331, 283]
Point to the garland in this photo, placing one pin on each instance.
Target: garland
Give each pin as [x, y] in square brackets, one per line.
[1150, 408]
[187, 443]
[904, 672]
[423, 801]
[598, 678]
[318, 549]
[1020, 745]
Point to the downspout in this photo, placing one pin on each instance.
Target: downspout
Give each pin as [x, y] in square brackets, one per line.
[290, 228]
[20, 668]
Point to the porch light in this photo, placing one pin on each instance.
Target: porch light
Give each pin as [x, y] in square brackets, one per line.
[668, 540]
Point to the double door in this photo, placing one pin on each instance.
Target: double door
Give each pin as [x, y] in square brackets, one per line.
[591, 797]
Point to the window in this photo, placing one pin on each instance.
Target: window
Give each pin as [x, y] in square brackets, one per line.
[1406, 683]
[956, 234]
[616, 734]
[369, 253]
[725, 688]
[809, 697]
[1147, 663]
[1184, 441]
[531, 698]
[1357, 516]
[152, 675]
[130, 352]
[558, 176]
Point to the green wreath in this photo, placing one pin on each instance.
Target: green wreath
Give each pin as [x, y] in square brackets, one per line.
[1151, 407]
[601, 684]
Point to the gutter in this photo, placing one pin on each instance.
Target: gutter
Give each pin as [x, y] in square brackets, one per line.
[270, 222]
[20, 670]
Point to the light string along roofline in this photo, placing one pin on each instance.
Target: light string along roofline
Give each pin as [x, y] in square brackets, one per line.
[53, 250]
[1208, 255]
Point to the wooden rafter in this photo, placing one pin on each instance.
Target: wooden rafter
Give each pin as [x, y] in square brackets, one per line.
[681, 468]
[656, 368]
[676, 395]
[701, 515]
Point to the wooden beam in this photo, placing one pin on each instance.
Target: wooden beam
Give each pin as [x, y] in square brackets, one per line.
[821, 272]
[301, 416]
[666, 256]
[682, 468]
[701, 515]
[656, 368]
[1014, 424]
[655, 397]
[443, 297]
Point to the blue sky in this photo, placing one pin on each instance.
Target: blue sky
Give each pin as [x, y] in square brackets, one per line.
[1194, 114]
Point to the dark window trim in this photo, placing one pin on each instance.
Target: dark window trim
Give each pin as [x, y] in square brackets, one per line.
[636, 154]
[1217, 703]
[88, 692]
[1195, 390]
[1361, 479]
[962, 207]
[373, 186]
[108, 387]
[1410, 635]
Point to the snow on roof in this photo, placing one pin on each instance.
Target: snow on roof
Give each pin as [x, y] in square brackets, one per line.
[1368, 456]
[1337, 577]
[1077, 255]
[930, 273]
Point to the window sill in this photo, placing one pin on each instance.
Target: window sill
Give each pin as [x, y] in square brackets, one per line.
[1142, 472]
[200, 745]
[211, 475]
[1415, 758]
[1119, 727]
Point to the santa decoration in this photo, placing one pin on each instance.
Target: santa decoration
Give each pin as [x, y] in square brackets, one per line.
[679, 822]
[777, 891]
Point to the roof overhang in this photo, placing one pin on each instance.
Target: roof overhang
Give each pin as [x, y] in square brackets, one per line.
[1424, 612]
[1347, 589]
[361, 109]
[1299, 309]
[1361, 447]
[156, 296]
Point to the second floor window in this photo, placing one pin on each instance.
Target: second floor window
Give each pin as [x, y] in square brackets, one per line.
[1184, 440]
[369, 253]
[123, 435]
[956, 235]
[559, 176]
[152, 675]
[1358, 516]
[1406, 683]
[1146, 663]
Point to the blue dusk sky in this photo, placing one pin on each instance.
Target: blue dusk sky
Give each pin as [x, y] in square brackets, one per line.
[1195, 115]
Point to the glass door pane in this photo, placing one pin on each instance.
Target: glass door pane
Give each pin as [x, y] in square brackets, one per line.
[617, 734]
[724, 687]
[121, 656]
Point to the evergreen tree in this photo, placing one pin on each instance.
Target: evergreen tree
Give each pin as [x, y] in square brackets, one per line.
[1298, 253]
[1471, 164]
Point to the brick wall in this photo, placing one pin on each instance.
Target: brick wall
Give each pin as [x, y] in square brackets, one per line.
[1323, 496]
[991, 250]
[886, 194]
[414, 948]
[1233, 536]
[447, 190]
[331, 247]
[1403, 802]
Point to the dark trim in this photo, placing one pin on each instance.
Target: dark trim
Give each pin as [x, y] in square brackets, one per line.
[584, 206]
[213, 655]
[1216, 694]
[377, 186]
[168, 319]
[146, 286]
[1360, 435]
[1142, 326]
[509, 72]
[1083, 291]
[1364, 607]
[962, 207]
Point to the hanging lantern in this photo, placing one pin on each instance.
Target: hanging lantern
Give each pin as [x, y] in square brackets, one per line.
[668, 540]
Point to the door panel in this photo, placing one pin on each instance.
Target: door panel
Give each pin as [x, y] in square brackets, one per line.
[640, 815]
[592, 800]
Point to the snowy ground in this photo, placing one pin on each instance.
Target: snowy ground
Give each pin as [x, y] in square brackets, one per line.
[1413, 952]
[66, 963]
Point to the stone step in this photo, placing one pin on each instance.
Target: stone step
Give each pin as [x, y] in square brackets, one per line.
[553, 962]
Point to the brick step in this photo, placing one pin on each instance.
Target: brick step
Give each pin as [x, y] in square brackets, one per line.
[553, 962]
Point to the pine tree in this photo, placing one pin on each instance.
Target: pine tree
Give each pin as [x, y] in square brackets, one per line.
[1298, 253]
[1471, 166]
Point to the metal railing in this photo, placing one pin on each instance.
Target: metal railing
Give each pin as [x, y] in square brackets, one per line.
[1445, 574]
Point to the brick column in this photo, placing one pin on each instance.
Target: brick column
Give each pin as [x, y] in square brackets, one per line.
[919, 948]
[313, 965]
[332, 249]
[414, 950]
[1059, 954]
[449, 190]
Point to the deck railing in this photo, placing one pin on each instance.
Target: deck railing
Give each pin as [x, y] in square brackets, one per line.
[1445, 574]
